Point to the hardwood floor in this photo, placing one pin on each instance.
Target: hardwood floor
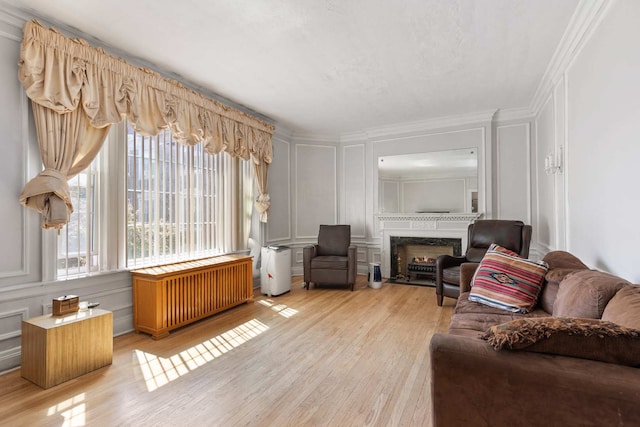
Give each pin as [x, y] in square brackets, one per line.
[323, 357]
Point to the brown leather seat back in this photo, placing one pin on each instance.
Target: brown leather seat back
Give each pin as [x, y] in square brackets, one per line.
[334, 240]
[508, 234]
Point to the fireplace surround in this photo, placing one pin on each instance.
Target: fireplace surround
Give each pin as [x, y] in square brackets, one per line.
[432, 226]
[437, 246]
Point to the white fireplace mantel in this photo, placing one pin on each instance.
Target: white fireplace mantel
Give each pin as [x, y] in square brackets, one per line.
[421, 225]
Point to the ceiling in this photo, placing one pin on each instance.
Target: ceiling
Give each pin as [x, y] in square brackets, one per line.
[331, 67]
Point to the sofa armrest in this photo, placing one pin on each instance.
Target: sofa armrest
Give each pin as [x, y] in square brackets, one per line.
[472, 384]
[467, 270]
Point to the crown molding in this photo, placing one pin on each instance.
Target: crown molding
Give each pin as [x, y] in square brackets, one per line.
[353, 137]
[421, 126]
[282, 132]
[400, 129]
[512, 114]
[316, 138]
[585, 19]
[13, 16]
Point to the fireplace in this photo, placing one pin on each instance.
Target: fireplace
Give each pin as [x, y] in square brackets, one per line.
[443, 228]
[414, 257]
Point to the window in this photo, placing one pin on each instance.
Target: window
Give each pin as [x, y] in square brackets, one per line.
[77, 245]
[178, 202]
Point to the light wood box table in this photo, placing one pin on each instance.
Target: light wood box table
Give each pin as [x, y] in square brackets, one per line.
[56, 349]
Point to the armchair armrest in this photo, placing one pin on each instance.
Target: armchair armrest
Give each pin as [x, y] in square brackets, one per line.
[308, 252]
[352, 263]
[446, 261]
[467, 270]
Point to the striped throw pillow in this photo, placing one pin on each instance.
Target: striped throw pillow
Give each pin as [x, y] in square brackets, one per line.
[506, 281]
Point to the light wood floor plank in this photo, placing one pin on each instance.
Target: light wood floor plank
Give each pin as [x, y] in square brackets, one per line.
[323, 357]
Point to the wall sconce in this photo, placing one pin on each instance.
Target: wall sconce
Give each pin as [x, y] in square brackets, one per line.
[553, 163]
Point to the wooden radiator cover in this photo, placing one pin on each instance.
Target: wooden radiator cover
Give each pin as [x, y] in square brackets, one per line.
[169, 296]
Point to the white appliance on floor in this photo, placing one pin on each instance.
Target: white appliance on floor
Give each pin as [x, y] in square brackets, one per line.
[275, 270]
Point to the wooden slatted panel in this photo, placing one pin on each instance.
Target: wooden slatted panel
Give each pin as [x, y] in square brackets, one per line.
[201, 289]
[192, 296]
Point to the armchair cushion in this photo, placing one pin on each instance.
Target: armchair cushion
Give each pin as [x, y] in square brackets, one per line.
[507, 282]
[330, 262]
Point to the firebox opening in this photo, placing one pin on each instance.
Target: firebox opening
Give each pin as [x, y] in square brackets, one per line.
[413, 258]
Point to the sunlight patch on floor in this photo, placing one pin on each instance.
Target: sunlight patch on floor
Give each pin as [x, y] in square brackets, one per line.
[72, 410]
[159, 371]
[281, 309]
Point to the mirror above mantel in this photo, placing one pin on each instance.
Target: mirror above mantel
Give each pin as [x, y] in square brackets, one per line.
[437, 182]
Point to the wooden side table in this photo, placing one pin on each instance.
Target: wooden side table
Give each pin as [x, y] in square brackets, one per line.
[56, 349]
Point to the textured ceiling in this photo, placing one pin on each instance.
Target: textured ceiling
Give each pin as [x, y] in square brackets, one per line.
[335, 66]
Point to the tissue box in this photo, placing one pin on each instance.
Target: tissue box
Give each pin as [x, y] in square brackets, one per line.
[65, 304]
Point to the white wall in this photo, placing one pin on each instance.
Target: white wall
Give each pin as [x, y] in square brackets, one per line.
[512, 173]
[593, 111]
[335, 180]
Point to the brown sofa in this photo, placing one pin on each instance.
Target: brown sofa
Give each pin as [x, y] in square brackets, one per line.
[475, 385]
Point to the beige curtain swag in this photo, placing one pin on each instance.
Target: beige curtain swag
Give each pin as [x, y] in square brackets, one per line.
[78, 91]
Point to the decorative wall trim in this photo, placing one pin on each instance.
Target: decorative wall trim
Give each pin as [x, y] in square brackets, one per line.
[298, 189]
[13, 17]
[513, 114]
[272, 239]
[397, 130]
[10, 359]
[498, 179]
[363, 189]
[24, 315]
[469, 217]
[23, 270]
[586, 18]
[25, 258]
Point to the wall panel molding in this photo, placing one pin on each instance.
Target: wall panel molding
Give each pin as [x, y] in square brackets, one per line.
[500, 178]
[354, 209]
[22, 313]
[272, 236]
[319, 181]
[22, 137]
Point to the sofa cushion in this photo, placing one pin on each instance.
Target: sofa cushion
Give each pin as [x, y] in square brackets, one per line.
[548, 296]
[585, 293]
[507, 282]
[584, 338]
[550, 287]
[561, 264]
[624, 307]
[563, 260]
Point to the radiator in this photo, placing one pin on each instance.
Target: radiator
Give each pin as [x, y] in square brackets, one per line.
[170, 296]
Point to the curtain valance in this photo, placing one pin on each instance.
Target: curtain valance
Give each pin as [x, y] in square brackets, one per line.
[64, 76]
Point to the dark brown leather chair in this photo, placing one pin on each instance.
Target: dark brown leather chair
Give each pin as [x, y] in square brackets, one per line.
[513, 235]
[332, 260]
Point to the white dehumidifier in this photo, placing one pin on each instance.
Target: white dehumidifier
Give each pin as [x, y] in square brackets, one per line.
[275, 270]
